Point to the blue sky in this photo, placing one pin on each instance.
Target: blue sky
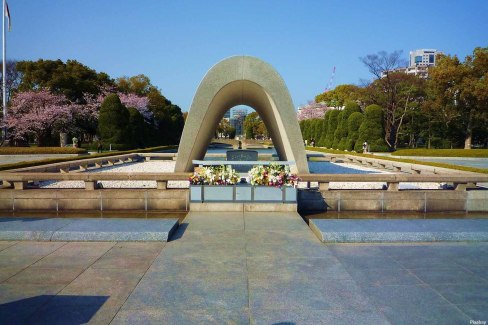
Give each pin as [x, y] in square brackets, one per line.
[176, 42]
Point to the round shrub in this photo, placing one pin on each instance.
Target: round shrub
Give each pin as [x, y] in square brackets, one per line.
[371, 130]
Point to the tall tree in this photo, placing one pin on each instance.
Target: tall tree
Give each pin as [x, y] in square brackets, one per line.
[340, 95]
[71, 79]
[371, 130]
[41, 116]
[340, 134]
[139, 85]
[113, 122]
[13, 78]
[459, 92]
[394, 91]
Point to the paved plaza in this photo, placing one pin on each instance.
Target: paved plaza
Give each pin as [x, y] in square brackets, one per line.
[242, 268]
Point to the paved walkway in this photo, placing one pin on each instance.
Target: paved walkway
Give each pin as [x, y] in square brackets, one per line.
[258, 268]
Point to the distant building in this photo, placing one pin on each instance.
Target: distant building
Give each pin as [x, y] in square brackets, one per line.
[237, 120]
[227, 115]
[424, 57]
[419, 63]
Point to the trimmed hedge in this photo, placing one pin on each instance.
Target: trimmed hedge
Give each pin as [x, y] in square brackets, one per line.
[371, 130]
[24, 164]
[410, 161]
[475, 153]
[40, 150]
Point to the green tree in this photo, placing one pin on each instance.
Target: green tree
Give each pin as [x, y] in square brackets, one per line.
[338, 131]
[392, 90]
[136, 127]
[324, 124]
[71, 79]
[254, 126]
[168, 119]
[459, 93]
[353, 124]
[331, 127]
[140, 85]
[371, 130]
[340, 135]
[113, 122]
[340, 95]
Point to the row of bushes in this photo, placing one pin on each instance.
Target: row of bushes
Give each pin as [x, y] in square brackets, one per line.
[347, 129]
[475, 153]
[404, 160]
[24, 164]
[41, 150]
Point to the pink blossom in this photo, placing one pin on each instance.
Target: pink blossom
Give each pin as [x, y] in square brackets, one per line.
[140, 103]
[312, 110]
[36, 113]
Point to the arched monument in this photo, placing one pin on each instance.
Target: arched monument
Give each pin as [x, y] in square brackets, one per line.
[242, 80]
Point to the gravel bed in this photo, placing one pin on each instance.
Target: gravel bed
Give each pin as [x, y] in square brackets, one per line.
[155, 166]
[135, 167]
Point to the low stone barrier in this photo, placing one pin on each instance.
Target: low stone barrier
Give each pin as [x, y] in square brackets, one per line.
[20, 180]
[460, 182]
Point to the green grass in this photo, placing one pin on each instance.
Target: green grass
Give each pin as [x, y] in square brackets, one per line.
[404, 160]
[24, 164]
[474, 153]
[40, 150]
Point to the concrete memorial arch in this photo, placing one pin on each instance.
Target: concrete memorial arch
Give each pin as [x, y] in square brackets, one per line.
[242, 80]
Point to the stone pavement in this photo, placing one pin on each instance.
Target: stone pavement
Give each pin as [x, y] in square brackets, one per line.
[235, 268]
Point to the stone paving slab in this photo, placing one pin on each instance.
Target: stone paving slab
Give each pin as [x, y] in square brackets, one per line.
[73, 229]
[394, 230]
[30, 228]
[254, 273]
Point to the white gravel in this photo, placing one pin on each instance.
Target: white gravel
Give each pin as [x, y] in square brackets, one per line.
[156, 166]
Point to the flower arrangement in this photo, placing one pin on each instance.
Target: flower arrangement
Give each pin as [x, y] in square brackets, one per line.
[215, 175]
[272, 175]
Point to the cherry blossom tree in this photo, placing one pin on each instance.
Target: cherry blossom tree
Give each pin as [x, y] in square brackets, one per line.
[312, 110]
[141, 103]
[39, 115]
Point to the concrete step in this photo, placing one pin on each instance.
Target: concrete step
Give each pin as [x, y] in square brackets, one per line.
[396, 230]
[88, 229]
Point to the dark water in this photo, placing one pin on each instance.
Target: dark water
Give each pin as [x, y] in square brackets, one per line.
[315, 167]
[324, 167]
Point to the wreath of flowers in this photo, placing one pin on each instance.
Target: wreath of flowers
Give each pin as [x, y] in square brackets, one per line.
[215, 175]
[273, 175]
[270, 175]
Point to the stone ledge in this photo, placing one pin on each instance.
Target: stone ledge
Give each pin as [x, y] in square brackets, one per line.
[243, 207]
[367, 231]
[98, 229]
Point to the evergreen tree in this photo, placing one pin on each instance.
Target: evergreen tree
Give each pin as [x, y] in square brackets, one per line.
[331, 127]
[338, 132]
[136, 123]
[324, 124]
[340, 135]
[353, 124]
[371, 130]
[113, 122]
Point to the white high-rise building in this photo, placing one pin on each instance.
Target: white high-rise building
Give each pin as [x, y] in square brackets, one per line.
[419, 63]
[423, 57]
